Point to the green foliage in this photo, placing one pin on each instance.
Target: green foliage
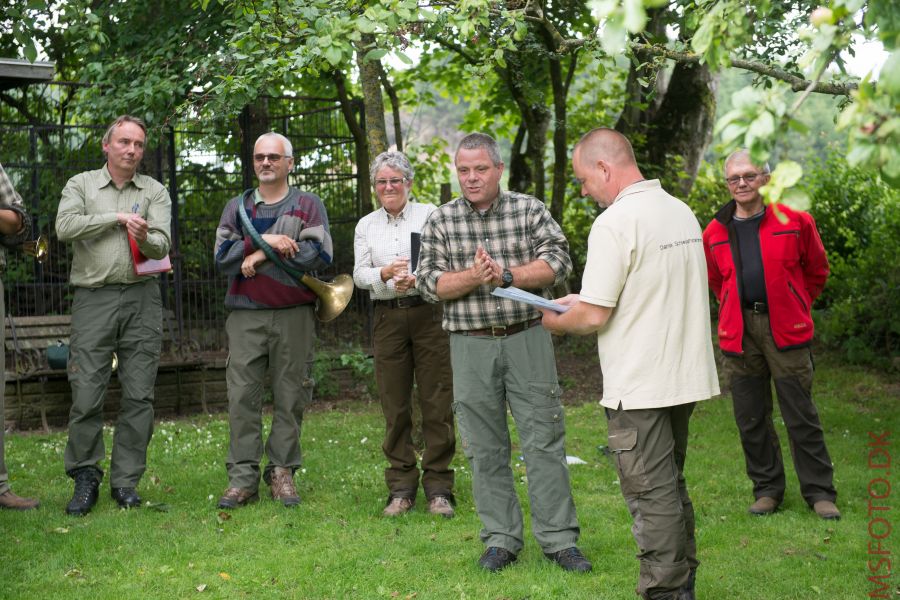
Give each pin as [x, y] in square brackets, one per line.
[578, 217]
[431, 162]
[322, 373]
[709, 193]
[362, 367]
[859, 220]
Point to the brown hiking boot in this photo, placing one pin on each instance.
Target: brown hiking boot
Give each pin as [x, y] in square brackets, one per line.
[398, 506]
[282, 486]
[235, 497]
[440, 505]
[764, 506]
[13, 502]
[827, 510]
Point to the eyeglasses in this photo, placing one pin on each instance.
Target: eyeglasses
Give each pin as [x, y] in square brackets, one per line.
[394, 181]
[749, 178]
[272, 158]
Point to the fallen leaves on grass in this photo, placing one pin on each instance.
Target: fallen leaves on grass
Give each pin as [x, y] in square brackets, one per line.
[225, 576]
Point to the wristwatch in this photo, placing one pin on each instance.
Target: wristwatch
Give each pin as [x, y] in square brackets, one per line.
[506, 278]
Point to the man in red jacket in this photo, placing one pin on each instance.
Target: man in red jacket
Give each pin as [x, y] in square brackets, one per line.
[766, 266]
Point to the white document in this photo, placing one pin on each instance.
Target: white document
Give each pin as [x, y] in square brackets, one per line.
[514, 293]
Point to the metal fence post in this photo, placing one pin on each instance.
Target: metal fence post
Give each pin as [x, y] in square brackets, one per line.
[176, 234]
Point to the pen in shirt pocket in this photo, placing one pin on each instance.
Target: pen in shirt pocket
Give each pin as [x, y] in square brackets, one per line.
[136, 207]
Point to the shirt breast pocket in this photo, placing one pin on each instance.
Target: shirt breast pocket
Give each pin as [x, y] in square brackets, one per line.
[462, 253]
[515, 252]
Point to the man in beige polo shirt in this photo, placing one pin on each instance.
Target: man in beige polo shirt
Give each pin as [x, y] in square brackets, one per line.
[644, 295]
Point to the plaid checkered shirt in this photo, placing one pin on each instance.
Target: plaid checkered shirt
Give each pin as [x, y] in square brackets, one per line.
[515, 230]
[10, 200]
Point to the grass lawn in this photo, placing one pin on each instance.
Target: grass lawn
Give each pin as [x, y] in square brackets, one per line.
[336, 545]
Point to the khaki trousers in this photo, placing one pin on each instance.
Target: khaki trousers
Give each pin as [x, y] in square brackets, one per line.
[279, 341]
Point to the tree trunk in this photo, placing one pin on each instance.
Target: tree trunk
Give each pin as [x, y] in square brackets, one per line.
[519, 172]
[682, 128]
[560, 88]
[359, 139]
[253, 121]
[370, 82]
[395, 106]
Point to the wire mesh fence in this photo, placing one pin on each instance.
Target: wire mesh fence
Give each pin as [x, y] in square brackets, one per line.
[203, 168]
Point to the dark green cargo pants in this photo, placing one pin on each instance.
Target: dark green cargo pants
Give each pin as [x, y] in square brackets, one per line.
[649, 448]
[127, 320]
[751, 390]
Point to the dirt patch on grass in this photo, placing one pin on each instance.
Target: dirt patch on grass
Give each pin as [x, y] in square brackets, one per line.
[578, 368]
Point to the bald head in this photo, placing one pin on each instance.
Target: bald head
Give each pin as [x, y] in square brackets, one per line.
[607, 145]
[604, 164]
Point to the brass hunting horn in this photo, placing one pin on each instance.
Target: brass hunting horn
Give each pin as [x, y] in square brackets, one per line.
[39, 248]
[332, 297]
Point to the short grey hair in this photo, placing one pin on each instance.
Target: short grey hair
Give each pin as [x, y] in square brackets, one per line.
[121, 120]
[393, 160]
[744, 153]
[476, 141]
[286, 143]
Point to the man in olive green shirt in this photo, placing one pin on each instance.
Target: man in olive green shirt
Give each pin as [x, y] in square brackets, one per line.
[114, 310]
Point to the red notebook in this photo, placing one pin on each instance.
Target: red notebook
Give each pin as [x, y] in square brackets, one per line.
[147, 266]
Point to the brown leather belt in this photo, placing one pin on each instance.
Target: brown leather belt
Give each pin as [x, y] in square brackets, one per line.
[401, 302]
[500, 331]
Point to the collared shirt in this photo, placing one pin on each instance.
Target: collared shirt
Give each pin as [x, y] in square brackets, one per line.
[380, 239]
[87, 216]
[515, 230]
[645, 261]
[10, 200]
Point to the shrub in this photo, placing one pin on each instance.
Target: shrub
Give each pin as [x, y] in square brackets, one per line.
[858, 217]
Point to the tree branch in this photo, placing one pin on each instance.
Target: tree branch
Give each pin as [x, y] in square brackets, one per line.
[395, 106]
[456, 48]
[798, 84]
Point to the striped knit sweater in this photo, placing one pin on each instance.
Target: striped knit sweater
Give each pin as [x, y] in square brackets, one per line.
[299, 215]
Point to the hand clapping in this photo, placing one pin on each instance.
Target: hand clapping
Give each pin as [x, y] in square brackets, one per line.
[486, 269]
